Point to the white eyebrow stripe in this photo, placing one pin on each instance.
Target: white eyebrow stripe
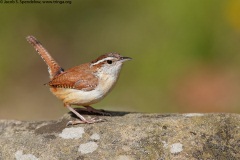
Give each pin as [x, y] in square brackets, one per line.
[104, 59]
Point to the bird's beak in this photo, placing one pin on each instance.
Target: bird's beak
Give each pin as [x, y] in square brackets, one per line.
[123, 59]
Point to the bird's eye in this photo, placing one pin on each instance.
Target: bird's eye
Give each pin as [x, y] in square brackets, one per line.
[109, 61]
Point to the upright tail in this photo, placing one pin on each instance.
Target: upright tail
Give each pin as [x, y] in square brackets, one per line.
[53, 67]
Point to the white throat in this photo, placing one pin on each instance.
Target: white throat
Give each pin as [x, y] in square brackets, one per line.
[108, 77]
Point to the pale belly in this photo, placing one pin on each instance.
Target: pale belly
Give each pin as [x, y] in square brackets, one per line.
[84, 98]
[77, 97]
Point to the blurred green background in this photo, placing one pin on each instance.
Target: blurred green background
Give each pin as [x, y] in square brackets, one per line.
[186, 54]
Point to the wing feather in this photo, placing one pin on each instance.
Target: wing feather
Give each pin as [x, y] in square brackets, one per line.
[79, 77]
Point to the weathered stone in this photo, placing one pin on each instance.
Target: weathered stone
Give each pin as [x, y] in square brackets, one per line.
[124, 136]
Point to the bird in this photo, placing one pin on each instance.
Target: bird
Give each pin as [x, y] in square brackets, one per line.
[82, 85]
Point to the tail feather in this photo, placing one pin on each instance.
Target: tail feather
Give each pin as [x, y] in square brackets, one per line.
[53, 67]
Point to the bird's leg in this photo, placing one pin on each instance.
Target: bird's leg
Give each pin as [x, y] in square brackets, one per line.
[93, 110]
[82, 119]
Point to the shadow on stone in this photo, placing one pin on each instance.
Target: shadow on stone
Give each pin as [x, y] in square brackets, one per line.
[82, 111]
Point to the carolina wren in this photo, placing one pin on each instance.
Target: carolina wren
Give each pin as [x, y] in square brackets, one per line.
[82, 85]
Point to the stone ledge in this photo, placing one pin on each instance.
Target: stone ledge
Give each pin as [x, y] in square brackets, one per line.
[124, 136]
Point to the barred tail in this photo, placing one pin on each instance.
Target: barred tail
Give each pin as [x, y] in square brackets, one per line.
[53, 67]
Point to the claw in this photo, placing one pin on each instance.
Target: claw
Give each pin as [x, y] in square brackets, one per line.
[69, 123]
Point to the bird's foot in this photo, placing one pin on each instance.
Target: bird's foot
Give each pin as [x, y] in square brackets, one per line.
[85, 121]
